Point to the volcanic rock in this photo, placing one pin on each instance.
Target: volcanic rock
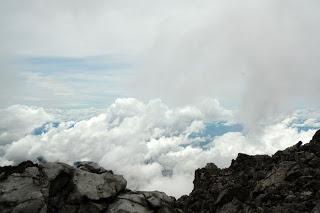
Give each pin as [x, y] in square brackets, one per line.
[287, 182]
[58, 187]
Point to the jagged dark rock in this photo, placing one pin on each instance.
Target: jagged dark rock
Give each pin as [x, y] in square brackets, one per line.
[86, 188]
[287, 182]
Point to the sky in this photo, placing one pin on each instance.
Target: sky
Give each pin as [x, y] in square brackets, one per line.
[175, 84]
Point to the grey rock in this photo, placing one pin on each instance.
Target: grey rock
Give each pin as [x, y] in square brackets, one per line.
[316, 209]
[52, 170]
[30, 206]
[157, 199]
[19, 188]
[127, 206]
[58, 187]
[134, 197]
[288, 181]
[142, 201]
[91, 167]
[98, 186]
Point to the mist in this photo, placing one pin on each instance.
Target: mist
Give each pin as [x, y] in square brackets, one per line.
[258, 57]
[261, 55]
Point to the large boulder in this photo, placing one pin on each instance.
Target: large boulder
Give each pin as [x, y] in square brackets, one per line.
[97, 186]
[144, 202]
[21, 189]
[86, 188]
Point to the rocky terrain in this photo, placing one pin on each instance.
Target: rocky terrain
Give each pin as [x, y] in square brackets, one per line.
[287, 182]
[58, 187]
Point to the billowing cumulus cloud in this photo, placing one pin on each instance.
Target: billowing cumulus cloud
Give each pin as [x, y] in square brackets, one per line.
[153, 145]
[19, 120]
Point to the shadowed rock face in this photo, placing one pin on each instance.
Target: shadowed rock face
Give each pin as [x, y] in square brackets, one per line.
[58, 187]
[287, 182]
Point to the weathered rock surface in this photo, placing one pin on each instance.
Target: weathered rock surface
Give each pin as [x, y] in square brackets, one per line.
[287, 182]
[58, 187]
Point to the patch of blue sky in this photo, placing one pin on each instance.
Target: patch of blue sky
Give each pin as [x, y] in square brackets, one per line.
[50, 125]
[212, 130]
[70, 64]
[302, 125]
[306, 119]
[306, 128]
[217, 129]
[102, 72]
[45, 128]
[66, 82]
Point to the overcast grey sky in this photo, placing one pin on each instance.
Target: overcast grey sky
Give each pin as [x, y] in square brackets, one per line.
[258, 56]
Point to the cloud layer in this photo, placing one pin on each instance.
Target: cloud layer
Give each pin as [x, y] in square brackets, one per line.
[17, 121]
[260, 56]
[154, 146]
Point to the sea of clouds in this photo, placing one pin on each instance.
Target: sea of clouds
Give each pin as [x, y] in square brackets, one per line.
[156, 147]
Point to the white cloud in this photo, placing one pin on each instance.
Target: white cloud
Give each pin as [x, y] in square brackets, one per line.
[259, 55]
[19, 120]
[150, 143]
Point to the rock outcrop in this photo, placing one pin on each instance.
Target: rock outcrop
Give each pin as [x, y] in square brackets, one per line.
[86, 188]
[287, 182]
